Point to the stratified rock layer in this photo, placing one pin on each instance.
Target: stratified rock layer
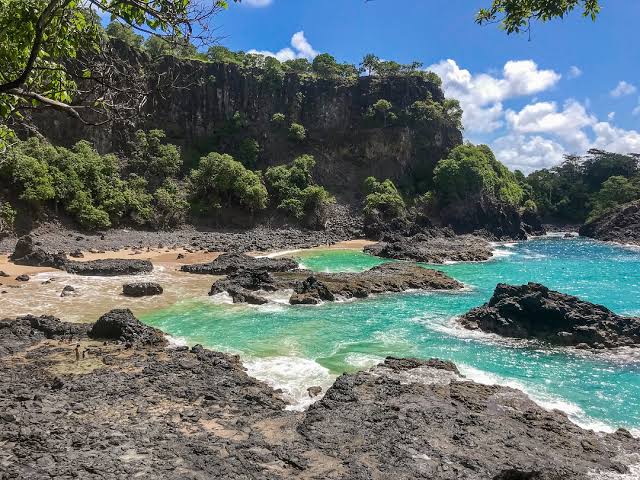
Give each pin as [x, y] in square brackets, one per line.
[533, 311]
[621, 225]
[152, 412]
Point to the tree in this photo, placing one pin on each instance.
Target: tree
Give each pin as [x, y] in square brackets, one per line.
[151, 158]
[615, 191]
[515, 16]
[370, 63]
[383, 198]
[325, 65]
[297, 132]
[382, 108]
[49, 47]
[126, 33]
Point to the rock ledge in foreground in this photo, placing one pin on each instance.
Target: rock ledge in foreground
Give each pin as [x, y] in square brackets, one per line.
[533, 311]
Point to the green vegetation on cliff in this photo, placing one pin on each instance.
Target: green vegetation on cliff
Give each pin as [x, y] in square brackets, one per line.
[587, 186]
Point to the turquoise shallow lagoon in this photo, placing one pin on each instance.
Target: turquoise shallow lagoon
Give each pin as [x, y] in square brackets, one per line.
[294, 347]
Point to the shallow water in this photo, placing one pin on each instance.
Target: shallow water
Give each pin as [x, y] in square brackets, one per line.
[294, 347]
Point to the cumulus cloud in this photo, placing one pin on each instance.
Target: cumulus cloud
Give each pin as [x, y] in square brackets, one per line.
[301, 49]
[545, 117]
[574, 72]
[623, 89]
[257, 3]
[481, 95]
[528, 153]
[615, 139]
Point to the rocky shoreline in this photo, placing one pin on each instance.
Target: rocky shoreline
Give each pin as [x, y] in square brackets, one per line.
[621, 225]
[111, 401]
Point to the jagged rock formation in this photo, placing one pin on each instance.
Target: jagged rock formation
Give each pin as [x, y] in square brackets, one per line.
[534, 311]
[227, 263]
[141, 289]
[27, 252]
[312, 288]
[121, 325]
[148, 411]
[435, 248]
[621, 225]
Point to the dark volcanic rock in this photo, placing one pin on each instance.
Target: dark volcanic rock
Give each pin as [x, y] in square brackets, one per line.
[155, 412]
[534, 311]
[232, 262]
[27, 253]
[242, 295]
[109, 267]
[120, 324]
[311, 288]
[68, 290]
[432, 249]
[141, 289]
[23, 278]
[621, 225]
[410, 419]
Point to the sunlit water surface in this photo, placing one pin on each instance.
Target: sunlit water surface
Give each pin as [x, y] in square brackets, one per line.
[294, 347]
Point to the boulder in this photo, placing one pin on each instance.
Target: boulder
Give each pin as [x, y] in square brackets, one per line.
[23, 278]
[109, 267]
[68, 290]
[228, 263]
[121, 325]
[241, 295]
[3, 274]
[533, 311]
[141, 289]
[26, 252]
[314, 391]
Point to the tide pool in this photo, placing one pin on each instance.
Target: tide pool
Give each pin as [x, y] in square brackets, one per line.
[294, 347]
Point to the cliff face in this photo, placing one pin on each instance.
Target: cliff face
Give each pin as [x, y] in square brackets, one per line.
[195, 103]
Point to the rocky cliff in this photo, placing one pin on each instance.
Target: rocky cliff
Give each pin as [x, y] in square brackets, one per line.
[214, 106]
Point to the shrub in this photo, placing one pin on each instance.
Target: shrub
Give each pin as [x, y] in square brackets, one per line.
[170, 206]
[150, 158]
[383, 198]
[615, 191]
[221, 181]
[293, 191]
[278, 119]
[248, 152]
[297, 132]
[7, 217]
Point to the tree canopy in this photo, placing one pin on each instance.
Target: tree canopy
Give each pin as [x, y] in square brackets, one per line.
[515, 16]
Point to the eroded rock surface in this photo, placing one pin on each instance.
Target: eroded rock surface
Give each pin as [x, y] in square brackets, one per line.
[26, 252]
[153, 412]
[313, 287]
[232, 262]
[432, 249]
[621, 225]
[533, 311]
[123, 326]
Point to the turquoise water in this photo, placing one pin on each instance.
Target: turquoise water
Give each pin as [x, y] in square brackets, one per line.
[294, 347]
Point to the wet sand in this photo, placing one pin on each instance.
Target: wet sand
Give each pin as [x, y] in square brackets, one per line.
[97, 295]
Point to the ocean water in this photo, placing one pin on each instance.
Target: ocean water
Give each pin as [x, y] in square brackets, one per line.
[294, 347]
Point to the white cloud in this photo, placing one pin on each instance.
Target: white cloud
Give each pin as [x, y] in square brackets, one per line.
[257, 3]
[615, 139]
[636, 111]
[528, 153]
[622, 89]
[611, 116]
[544, 117]
[301, 49]
[574, 72]
[481, 95]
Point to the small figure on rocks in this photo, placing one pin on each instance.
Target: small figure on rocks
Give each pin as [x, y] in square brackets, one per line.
[77, 352]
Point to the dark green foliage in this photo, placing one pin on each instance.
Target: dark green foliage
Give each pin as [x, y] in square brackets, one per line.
[125, 33]
[248, 152]
[615, 191]
[297, 132]
[326, 66]
[152, 159]
[278, 119]
[7, 217]
[220, 181]
[383, 198]
[381, 113]
[422, 113]
[470, 171]
[571, 191]
[171, 206]
[298, 65]
[293, 191]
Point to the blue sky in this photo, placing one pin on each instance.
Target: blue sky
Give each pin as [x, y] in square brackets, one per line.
[531, 101]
